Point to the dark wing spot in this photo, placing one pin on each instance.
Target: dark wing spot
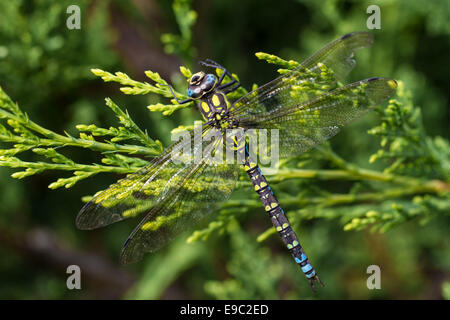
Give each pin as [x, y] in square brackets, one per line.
[126, 242]
[345, 36]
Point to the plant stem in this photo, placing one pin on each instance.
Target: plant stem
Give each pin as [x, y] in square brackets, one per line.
[68, 167]
[350, 173]
[84, 143]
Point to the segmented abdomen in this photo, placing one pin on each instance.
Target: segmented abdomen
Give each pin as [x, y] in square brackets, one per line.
[278, 217]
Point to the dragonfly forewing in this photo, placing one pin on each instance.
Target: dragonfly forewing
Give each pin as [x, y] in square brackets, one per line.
[200, 189]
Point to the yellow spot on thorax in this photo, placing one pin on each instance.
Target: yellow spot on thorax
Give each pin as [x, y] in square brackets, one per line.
[215, 100]
[205, 106]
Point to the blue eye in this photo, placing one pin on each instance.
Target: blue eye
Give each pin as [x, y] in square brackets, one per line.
[210, 78]
[190, 93]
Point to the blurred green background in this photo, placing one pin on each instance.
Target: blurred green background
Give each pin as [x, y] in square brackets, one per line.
[45, 68]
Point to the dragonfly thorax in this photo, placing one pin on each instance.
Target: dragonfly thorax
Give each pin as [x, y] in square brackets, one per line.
[214, 107]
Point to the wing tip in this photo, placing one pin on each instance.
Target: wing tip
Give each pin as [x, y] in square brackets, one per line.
[381, 88]
[348, 35]
[80, 220]
[364, 35]
[392, 83]
[127, 257]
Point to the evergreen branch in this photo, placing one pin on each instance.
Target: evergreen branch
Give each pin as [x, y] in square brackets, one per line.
[126, 120]
[20, 120]
[404, 142]
[13, 162]
[352, 173]
[167, 109]
[273, 59]
[345, 205]
[134, 87]
[81, 171]
[27, 135]
[161, 88]
[181, 45]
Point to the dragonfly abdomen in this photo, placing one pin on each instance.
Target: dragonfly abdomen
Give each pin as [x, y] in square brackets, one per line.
[279, 219]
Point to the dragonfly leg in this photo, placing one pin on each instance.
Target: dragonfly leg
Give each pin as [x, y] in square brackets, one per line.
[225, 88]
[212, 64]
[175, 97]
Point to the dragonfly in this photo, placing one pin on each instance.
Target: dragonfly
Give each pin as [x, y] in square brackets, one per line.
[307, 105]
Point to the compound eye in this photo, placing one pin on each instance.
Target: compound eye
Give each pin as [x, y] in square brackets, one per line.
[194, 93]
[197, 77]
[209, 82]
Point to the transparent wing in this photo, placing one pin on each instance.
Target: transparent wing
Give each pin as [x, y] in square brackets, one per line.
[305, 125]
[200, 189]
[141, 191]
[122, 200]
[315, 76]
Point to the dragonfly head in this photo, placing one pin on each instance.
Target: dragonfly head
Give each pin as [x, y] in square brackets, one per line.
[201, 83]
